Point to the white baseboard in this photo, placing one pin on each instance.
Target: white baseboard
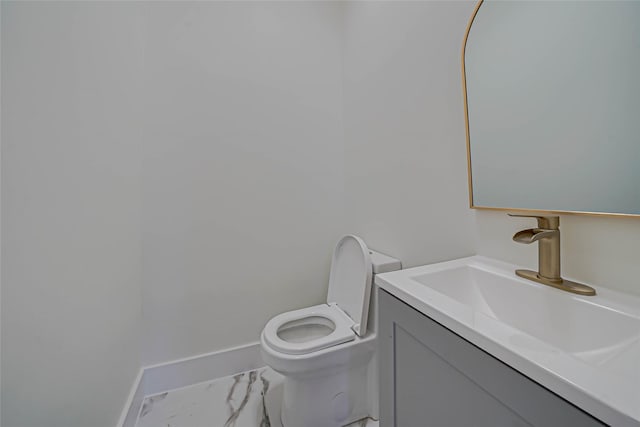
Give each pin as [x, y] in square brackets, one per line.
[183, 372]
[204, 367]
[133, 404]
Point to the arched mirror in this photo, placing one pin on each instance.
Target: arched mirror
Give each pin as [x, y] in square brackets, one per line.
[552, 95]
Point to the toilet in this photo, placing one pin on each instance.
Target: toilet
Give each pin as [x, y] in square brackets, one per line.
[326, 352]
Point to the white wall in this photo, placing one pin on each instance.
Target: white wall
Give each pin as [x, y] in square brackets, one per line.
[243, 168]
[70, 212]
[0, 218]
[404, 127]
[212, 231]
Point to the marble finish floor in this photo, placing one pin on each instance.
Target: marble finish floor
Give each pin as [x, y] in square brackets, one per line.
[247, 399]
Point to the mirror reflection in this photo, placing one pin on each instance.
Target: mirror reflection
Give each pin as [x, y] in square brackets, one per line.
[553, 98]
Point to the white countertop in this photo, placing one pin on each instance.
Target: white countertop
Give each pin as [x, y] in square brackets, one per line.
[609, 391]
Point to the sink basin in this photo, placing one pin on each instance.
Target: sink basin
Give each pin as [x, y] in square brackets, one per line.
[583, 348]
[586, 329]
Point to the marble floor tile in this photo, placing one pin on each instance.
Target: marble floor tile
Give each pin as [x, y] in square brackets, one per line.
[247, 399]
[236, 401]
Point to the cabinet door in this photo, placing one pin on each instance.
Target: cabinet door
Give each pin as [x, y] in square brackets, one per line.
[430, 376]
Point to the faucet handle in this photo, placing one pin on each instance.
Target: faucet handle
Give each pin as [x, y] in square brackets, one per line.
[548, 222]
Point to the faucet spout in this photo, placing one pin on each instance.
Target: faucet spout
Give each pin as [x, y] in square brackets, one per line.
[534, 234]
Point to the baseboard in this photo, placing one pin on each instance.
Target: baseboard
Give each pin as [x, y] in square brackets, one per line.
[183, 372]
[133, 404]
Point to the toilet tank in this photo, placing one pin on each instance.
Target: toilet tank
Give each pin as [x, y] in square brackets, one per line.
[380, 263]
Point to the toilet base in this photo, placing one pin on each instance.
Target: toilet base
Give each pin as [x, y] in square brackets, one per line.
[328, 399]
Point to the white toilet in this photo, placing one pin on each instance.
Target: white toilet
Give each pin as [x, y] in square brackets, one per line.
[325, 352]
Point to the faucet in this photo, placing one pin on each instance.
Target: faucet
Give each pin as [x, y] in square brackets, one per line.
[547, 234]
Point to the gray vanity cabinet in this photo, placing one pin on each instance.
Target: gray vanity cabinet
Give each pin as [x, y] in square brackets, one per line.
[431, 377]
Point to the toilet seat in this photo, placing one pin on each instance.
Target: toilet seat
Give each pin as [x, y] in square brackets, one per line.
[329, 315]
[343, 317]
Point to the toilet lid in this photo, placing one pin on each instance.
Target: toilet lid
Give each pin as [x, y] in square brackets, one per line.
[350, 280]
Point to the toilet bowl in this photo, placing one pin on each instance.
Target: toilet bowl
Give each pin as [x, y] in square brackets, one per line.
[308, 330]
[326, 352]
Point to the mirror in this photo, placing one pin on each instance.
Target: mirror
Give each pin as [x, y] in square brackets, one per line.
[552, 96]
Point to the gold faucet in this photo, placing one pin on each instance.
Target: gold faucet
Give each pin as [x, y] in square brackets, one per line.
[548, 237]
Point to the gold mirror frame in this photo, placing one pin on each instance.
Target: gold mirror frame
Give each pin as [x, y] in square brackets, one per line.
[466, 127]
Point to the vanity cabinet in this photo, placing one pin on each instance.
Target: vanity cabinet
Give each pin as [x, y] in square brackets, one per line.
[429, 376]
